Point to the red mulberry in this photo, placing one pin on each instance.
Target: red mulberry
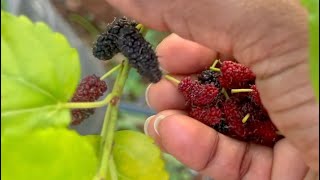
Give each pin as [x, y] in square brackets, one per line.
[90, 89]
[234, 75]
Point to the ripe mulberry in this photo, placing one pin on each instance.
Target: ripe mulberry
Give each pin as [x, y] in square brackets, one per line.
[139, 53]
[90, 89]
[123, 36]
[229, 102]
[263, 132]
[234, 117]
[203, 94]
[209, 116]
[208, 77]
[185, 87]
[222, 127]
[234, 75]
[255, 95]
[105, 46]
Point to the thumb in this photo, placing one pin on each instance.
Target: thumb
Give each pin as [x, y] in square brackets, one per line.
[270, 37]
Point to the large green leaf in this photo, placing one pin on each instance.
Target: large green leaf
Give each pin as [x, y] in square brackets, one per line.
[135, 155]
[313, 8]
[39, 70]
[137, 158]
[49, 154]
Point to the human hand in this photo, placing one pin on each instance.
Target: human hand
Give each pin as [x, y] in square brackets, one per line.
[270, 37]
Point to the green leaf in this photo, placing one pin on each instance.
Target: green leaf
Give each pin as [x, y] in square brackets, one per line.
[94, 141]
[135, 155]
[313, 8]
[137, 158]
[39, 71]
[49, 154]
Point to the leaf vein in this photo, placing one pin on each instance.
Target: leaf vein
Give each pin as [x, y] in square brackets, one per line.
[31, 86]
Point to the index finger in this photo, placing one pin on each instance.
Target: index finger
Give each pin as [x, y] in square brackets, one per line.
[181, 56]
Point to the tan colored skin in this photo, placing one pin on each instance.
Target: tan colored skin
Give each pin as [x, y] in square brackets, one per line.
[268, 36]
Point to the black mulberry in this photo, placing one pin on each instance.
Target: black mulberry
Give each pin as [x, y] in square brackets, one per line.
[208, 77]
[90, 89]
[222, 127]
[139, 53]
[123, 36]
[105, 46]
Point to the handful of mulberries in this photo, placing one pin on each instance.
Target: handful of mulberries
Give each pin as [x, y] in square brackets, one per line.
[123, 36]
[226, 99]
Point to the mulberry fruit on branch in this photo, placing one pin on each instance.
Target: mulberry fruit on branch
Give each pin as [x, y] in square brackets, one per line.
[90, 89]
[123, 36]
[105, 46]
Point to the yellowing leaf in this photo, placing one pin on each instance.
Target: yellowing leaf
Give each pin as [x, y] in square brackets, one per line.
[137, 158]
[39, 70]
[49, 154]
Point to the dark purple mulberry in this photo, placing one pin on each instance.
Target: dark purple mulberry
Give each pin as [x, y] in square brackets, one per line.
[123, 36]
[139, 53]
[90, 89]
[222, 127]
[105, 46]
[208, 77]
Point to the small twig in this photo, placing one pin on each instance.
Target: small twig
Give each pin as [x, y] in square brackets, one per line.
[111, 71]
[113, 169]
[240, 90]
[86, 105]
[214, 64]
[142, 29]
[245, 119]
[224, 92]
[172, 79]
[110, 119]
[215, 69]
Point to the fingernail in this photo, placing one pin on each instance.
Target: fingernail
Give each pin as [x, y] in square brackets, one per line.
[146, 125]
[157, 122]
[146, 94]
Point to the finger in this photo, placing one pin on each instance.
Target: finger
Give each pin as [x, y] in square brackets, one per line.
[164, 95]
[288, 163]
[219, 25]
[153, 133]
[180, 56]
[204, 150]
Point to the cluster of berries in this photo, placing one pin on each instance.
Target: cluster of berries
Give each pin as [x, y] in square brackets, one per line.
[225, 98]
[123, 36]
[90, 89]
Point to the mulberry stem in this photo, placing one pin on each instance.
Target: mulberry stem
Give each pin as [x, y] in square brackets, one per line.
[224, 92]
[86, 105]
[110, 72]
[142, 29]
[113, 170]
[109, 124]
[240, 90]
[245, 119]
[214, 64]
[215, 69]
[170, 78]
